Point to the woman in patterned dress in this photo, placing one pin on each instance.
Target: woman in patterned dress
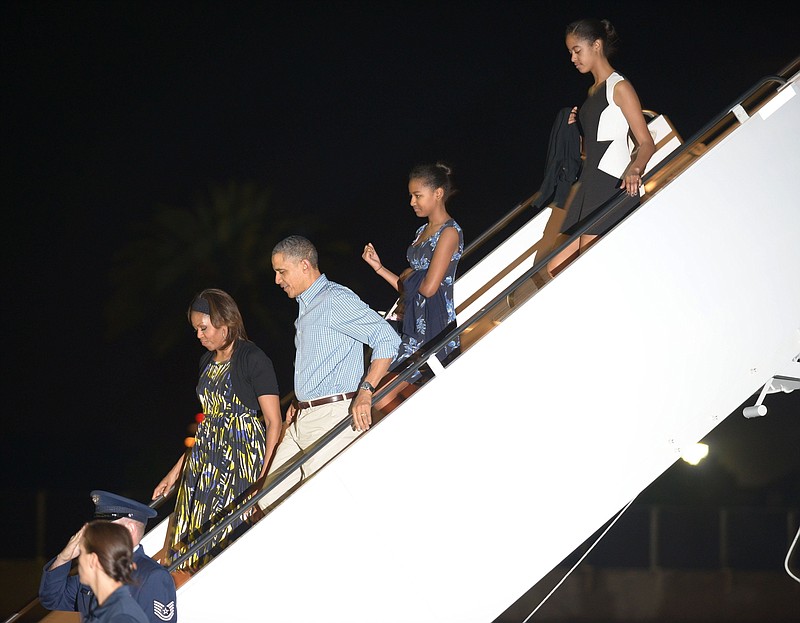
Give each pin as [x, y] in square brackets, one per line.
[233, 446]
[426, 287]
[609, 116]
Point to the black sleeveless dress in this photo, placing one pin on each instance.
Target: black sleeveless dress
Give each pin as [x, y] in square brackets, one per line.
[605, 143]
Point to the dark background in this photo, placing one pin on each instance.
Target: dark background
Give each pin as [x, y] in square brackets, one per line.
[114, 111]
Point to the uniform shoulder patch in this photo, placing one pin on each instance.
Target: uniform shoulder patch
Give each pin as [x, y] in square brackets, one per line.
[165, 612]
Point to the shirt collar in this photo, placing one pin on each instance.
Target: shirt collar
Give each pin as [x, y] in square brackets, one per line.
[311, 291]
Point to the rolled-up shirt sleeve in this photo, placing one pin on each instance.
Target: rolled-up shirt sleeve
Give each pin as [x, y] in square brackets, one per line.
[359, 321]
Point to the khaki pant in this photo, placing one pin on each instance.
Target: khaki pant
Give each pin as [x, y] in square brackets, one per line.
[309, 425]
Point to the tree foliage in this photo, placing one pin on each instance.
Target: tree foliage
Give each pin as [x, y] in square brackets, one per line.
[223, 240]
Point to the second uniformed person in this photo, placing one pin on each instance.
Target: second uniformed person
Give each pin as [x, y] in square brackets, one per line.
[152, 586]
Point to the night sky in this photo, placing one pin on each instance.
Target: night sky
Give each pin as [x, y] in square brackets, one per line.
[114, 109]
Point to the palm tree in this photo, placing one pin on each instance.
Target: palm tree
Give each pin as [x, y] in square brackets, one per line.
[224, 240]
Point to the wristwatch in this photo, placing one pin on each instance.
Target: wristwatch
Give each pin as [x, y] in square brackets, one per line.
[367, 386]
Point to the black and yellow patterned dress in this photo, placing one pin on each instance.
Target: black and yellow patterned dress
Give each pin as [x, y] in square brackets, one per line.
[225, 460]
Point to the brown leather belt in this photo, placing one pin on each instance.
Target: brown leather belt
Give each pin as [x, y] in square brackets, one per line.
[325, 400]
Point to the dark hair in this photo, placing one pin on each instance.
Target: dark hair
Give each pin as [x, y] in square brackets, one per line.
[434, 176]
[222, 310]
[298, 248]
[593, 29]
[114, 548]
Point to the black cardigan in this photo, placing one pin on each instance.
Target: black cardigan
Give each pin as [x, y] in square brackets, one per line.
[252, 373]
[563, 161]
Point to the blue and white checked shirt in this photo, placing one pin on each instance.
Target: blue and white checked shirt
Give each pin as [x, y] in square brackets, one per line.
[331, 328]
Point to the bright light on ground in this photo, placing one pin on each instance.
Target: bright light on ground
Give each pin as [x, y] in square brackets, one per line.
[696, 453]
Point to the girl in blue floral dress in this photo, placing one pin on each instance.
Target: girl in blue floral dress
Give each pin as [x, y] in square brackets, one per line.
[426, 287]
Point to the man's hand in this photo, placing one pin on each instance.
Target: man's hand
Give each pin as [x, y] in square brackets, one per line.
[361, 410]
[291, 411]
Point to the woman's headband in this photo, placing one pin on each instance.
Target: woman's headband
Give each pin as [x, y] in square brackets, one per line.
[201, 305]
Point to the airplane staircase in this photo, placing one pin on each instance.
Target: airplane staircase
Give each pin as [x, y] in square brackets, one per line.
[548, 424]
[566, 402]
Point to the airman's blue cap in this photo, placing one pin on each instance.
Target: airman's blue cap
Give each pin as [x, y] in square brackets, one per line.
[112, 506]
